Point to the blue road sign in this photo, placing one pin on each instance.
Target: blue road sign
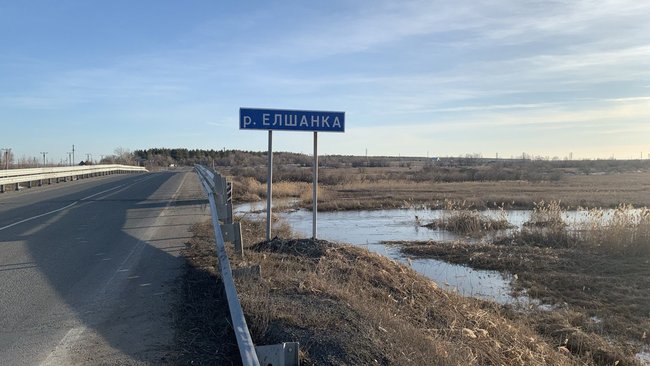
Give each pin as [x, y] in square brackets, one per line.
[291, 120]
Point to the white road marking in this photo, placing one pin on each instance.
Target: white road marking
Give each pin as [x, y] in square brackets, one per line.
[68, 206]
[142, 243]
[57, 210]
[59, 355]
[37, 216]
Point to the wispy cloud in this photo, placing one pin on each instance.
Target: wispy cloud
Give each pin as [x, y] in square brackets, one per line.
[430, 66]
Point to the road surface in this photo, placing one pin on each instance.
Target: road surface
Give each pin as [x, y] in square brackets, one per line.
[89, 269]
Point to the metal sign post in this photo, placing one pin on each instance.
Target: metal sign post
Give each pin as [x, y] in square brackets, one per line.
[291, 120]
[269, 187]
[314, 195]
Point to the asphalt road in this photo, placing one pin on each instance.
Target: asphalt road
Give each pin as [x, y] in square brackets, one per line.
[89, 269]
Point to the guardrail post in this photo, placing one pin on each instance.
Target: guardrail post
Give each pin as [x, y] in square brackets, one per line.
[228, 196]
[2, 188]
[232, 233]
[285, 354]
[223, 195]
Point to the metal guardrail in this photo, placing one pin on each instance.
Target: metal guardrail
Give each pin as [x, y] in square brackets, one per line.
[219, 193]
[17, 176]
[242, 334]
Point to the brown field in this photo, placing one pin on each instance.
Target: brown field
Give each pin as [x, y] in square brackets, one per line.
[382, 188]
[573, 191]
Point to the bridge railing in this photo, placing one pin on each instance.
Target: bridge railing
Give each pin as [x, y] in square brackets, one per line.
[16, 177]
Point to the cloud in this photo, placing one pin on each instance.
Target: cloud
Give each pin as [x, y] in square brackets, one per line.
[427, 66]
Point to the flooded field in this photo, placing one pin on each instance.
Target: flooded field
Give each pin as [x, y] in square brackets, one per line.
[371, 228]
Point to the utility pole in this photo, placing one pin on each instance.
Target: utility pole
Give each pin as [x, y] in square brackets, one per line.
[72, 155]
[44, 161]
[6, 150]
[88, 156]
[70, 158]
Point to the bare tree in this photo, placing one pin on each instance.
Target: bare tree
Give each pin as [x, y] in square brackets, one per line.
[123, 156]
[6, 158]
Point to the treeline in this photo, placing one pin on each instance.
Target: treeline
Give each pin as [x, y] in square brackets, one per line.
[182, 156]
[297, 167]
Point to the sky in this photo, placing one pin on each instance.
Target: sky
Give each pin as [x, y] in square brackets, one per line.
[415, 78]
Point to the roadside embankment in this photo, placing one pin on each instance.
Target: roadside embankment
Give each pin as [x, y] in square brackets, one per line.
[347, 306]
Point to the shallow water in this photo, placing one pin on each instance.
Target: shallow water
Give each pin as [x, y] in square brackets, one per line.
[407, 217]
[371, 228]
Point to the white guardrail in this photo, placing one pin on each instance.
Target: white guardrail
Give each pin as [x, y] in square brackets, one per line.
[219, 196]
[18, 176]
[244, 341]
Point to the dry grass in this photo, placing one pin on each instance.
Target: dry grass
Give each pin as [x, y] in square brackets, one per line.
[583, 284]
[624, 230]
[545, 227]
[203, 334]
[382, 188]
[324, 195]
[248, 189]
[459, 218]
[599, 268]
[573, 191]
[347, 306]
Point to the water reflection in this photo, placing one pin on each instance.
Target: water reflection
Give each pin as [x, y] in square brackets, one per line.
[371, 228]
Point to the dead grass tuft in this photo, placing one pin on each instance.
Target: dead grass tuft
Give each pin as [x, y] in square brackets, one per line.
[248, 189]
[460, 218]
[626, 231]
